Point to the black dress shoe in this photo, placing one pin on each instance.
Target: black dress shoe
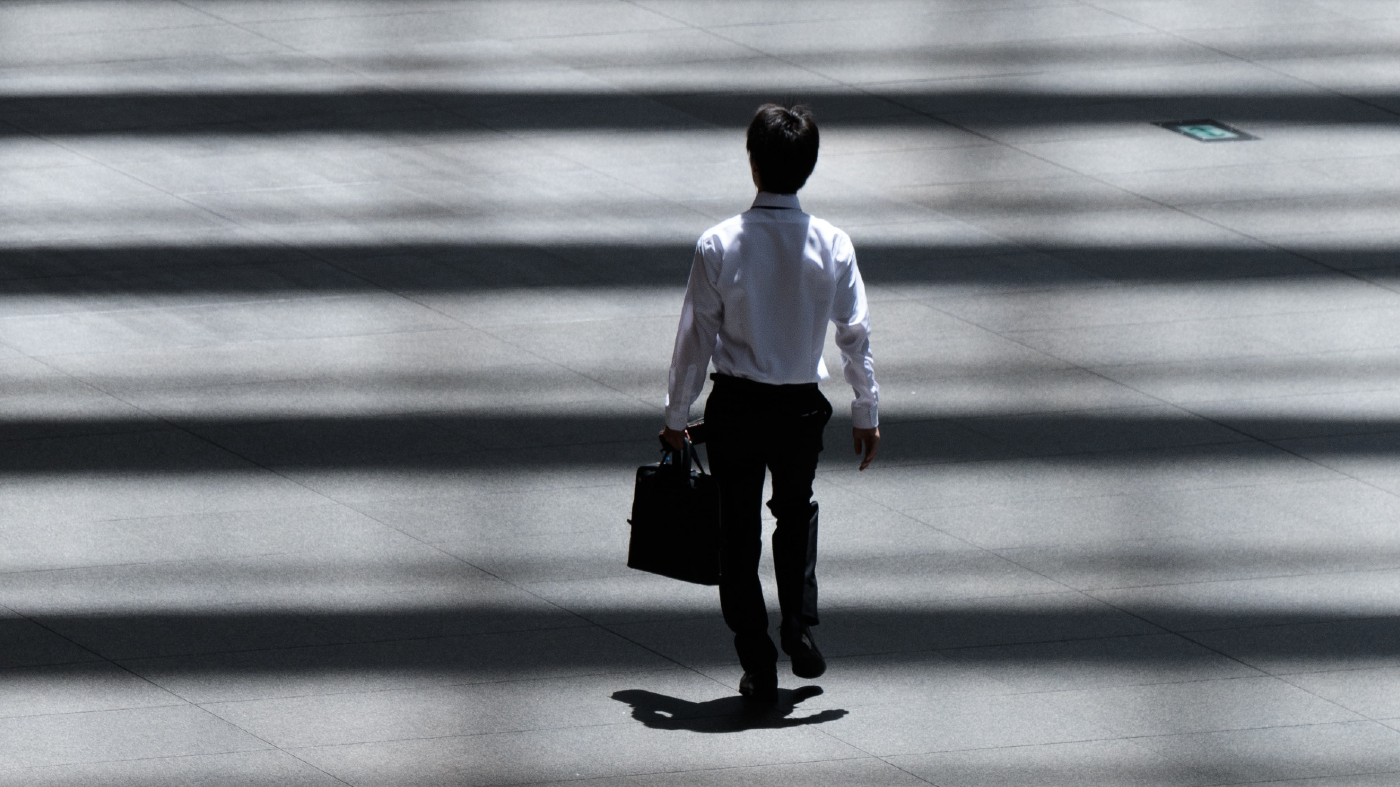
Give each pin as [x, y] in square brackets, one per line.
[759, 688]
[807, 661]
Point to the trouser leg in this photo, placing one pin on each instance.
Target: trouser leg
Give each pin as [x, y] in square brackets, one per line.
[795, 539]
[738, 469]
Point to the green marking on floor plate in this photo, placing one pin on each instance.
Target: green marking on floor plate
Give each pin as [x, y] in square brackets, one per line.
[1206, 130]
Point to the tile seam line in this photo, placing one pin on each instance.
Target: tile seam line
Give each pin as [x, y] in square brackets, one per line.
[462, 736]
[225, 343]
[1328, 622]
[344, 644]
[1227, 359]
[1017, 644]
[180, 702]
[941, 16]
[81, 763]
[278, 20]
[312, 295]
[1167, 735]
[1349, 391]
[269, 743]
[1299, 780]
[1287, 679]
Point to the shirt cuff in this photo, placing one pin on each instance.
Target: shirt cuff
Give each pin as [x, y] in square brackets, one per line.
[864, 416]
[677, 419]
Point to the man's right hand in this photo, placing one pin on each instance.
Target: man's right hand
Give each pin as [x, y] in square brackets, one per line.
[674, 438]
[867, 444]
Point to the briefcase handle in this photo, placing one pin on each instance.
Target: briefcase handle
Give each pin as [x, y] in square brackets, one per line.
[687, 457]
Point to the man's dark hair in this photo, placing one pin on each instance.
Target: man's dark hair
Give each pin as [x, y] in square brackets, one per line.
[783, 145]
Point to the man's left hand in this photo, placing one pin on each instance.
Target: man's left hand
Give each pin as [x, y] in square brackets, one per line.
[867, 444]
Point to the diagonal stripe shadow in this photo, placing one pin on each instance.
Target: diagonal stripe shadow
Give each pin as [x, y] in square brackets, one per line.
[444, 111]
[45, 446]
[486, 641]
[476, 267]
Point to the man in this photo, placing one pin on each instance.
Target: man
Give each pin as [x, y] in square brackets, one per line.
[763, 286]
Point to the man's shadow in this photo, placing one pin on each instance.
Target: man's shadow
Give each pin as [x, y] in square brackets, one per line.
[726, 714]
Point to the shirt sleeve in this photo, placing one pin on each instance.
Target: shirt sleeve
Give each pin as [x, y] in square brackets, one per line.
[701, 314]
[852, 318]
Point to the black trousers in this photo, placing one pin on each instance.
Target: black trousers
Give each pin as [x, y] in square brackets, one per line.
[754, 428]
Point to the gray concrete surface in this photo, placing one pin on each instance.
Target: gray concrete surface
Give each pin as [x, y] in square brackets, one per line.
[331, 331]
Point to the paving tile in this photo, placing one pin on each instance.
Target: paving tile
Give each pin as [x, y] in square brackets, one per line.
[77, 688]
[1164, 342]
[1369, 692]
[1194, 15]
[629, 598]
[1267, 219]
[1306, 416]
[470, 515]
[1261, 180]
[1210, 558]
[540, 648]
[889, 679]
[1046, 617]
[1315, 646]
[130, 475]
[1065, 307]
[863, 770]
[324, 531]
[926, 579]
[1089, 664]
[188, 607]
[263, 768]
[1203, 606]
[1281, 753]
[970, 389]
[609, 750]
[1044, 765]
[1160, 471]
[370, 362]
[1365, 457]
[959, 723]
[1103, 430]
[1135, 521]
[1363, 780]
[139, 733]
[1178, 708]
[27, 643]
[444, 711]
[135, 330]
[1262, 377]
[698, 642]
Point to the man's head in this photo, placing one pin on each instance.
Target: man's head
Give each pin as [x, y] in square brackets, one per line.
[782, 147]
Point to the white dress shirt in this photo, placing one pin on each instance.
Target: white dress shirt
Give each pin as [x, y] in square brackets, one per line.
[763, 286]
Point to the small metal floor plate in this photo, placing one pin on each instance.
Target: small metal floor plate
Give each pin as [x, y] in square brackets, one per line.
[1206, 130]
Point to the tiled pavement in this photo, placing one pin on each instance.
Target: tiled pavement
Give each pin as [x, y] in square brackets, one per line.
[331, 331]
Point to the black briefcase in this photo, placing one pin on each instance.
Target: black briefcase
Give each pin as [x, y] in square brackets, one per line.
[675, 519]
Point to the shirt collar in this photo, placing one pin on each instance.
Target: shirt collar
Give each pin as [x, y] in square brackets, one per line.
[767, 199]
